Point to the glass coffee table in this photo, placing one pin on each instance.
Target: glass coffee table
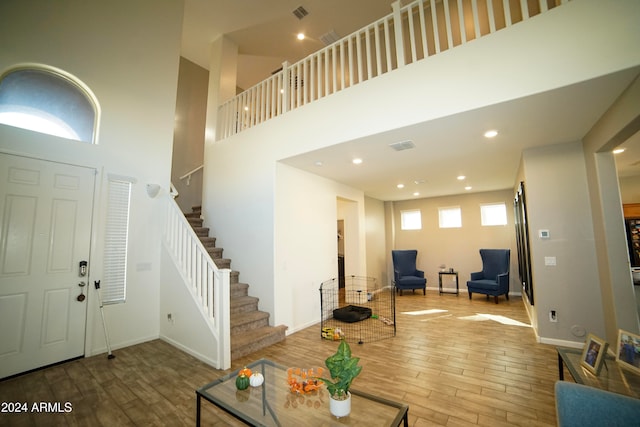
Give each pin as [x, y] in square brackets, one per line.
[272, 404]
[611, 377]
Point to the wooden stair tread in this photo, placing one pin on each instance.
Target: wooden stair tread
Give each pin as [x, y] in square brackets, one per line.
[257, 334]
[212, 250]
[242, 318]
[208, 241]
[243, 300]
[222, 262]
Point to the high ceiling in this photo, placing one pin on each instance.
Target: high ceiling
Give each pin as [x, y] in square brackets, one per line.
[265, 32]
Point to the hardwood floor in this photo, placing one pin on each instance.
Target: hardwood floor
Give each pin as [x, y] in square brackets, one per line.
[456, 367]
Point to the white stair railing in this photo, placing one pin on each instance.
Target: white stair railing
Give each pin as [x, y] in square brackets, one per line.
[411, 33]
[208, 284]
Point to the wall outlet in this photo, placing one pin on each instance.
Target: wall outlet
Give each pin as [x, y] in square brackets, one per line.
[553, 316]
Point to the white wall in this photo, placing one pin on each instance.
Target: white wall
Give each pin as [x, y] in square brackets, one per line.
[558, 200]
[305, 242]
[376, 240]
[350, 212]
[133, 73]
[188, 136]
[187, 328]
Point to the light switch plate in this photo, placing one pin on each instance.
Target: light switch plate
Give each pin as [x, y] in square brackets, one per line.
[549, 260]
[543, 234]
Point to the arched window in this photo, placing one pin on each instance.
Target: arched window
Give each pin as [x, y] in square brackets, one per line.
[48, 101]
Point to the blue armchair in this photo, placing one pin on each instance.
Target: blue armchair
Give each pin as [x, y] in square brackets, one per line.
[494, 277]
[579, 405]
[405, 273]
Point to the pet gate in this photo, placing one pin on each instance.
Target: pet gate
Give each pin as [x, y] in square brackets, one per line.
[360, 311]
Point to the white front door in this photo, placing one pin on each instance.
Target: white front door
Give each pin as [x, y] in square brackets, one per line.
[45, 215]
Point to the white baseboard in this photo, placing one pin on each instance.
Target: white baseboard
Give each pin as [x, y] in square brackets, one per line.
[199, 356]
[464, 290]
[100, 350]
[290, 331]
[559, 343]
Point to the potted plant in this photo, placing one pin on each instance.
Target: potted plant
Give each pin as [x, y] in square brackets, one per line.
[343, 369]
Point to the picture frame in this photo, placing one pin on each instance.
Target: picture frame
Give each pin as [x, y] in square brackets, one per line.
[595, 350]
[628, 350]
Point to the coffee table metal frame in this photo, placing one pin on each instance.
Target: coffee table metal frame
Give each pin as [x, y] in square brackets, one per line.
[259, 365]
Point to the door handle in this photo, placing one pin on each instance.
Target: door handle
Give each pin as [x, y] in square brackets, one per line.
[81, 297]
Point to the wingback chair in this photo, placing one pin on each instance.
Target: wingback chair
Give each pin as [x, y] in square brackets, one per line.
[494, 277]
[405, 273]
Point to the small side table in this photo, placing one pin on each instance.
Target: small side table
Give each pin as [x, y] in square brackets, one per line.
[448, 273]
[612, 376]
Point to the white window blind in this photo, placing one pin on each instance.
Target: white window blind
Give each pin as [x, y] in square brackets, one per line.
[450, 217]
[114, 283]
[410, 220]
[493, 214]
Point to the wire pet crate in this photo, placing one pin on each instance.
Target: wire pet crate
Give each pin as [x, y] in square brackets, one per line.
[359, 312]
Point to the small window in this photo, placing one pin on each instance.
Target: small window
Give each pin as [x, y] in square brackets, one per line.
[493, 214]
[114, 284]
[410, 220]
[450, 217]
[47, 101]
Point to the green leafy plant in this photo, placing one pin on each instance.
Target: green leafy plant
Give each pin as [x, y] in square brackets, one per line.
[343, 369]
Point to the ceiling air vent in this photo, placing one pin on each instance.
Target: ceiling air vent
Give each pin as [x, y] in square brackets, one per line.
[300, 12]
[402, 145]
[329, 38]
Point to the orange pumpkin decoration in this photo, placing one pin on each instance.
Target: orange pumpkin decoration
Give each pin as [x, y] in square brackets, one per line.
[245, 371]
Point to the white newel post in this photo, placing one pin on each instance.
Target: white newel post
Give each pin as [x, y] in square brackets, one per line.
[397, 27]
[285, 87]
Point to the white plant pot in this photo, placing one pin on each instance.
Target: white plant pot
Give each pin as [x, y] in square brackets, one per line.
[340, 408]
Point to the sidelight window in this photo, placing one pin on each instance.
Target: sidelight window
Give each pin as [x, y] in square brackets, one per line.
[114, 283]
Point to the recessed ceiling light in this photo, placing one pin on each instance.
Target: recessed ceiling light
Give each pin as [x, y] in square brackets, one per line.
[419, 181]
[357, 161]
[416, 194]
[318, 163]
[461, 177]
[491, 133]
[468, 187]
[618, 150]
[400, 185]
[300, 36]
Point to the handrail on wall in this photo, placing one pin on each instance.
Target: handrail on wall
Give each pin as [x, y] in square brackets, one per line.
[188, 174]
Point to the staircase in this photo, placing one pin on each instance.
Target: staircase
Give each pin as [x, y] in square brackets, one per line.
[250, 330]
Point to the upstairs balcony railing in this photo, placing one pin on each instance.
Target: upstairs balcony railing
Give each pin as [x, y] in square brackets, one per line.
[409, 34]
